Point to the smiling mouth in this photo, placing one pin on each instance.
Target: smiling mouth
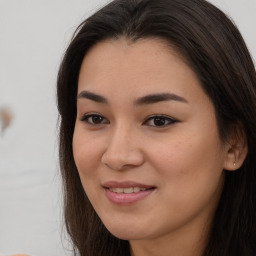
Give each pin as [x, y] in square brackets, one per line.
[129, 190]
[126, 193]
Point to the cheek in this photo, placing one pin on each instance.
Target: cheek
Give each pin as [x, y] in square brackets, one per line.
[191, 177]
[86, 152]
[190, 163]
[87, 158]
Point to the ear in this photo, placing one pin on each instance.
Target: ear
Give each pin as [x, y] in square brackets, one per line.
[236, 148]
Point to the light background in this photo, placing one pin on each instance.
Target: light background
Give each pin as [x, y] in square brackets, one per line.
[33, 36]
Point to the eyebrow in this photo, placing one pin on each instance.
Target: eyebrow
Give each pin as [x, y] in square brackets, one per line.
[92, 96]
[154, 98]
[145, 100]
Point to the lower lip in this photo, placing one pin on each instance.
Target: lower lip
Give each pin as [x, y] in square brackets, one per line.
[126, 199]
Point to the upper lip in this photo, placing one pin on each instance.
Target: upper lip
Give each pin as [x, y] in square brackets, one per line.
[125, 184]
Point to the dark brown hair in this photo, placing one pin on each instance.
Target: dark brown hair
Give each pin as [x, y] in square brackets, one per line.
[215, 50]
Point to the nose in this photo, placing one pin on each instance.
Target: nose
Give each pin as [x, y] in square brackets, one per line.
[123, 150]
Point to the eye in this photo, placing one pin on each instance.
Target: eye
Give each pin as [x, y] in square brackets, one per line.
[94, 119]
[159, 121]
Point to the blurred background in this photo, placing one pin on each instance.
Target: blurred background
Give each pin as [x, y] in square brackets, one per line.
[33, 37]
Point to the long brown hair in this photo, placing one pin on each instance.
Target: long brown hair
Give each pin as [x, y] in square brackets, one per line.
[215, 50]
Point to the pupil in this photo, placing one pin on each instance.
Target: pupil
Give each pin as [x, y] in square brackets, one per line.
[158, 121]
[96, 119]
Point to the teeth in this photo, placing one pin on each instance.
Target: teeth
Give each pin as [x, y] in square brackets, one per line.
[127, 190]
[136, 189]
[119, 190]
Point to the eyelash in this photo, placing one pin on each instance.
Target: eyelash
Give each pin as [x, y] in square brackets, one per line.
[164, 120]
[86, 118]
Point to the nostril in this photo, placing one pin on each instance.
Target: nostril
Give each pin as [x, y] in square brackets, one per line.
[122, 158]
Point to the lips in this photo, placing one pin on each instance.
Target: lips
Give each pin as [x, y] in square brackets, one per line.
[126, 193]
[127, 190]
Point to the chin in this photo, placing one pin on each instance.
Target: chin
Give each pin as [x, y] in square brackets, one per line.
[131, 233]
[125, 236]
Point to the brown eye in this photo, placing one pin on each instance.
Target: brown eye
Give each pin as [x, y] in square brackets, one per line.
[94, 119]
[159, 121]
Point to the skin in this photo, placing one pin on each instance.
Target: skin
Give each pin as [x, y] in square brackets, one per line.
[20, 255]
[183, 160]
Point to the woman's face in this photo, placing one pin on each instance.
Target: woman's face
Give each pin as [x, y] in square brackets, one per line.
[146, 142]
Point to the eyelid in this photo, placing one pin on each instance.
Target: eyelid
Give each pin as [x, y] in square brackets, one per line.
[86, 116]
[169, 118]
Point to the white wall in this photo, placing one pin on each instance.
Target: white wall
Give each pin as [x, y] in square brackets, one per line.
[33, 36]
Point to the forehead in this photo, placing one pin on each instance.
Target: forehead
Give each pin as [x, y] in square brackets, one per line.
[123, 49]
[141, 67]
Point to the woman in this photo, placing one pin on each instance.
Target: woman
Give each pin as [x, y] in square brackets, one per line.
[157, 100]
